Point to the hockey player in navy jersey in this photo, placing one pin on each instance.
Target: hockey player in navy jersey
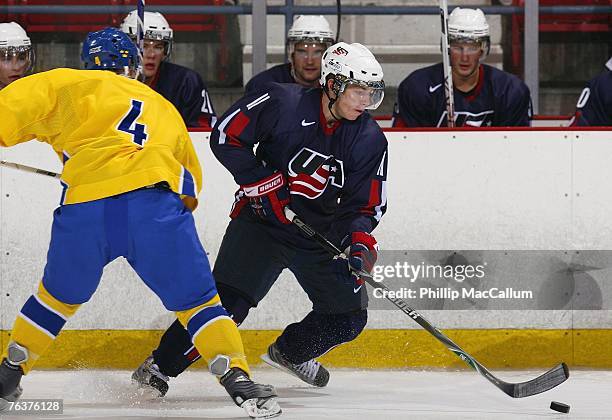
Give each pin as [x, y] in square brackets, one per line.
[308, 38]
[322, 155]
[483, 95]
[594, 107]
[178, 84]
[16, 54]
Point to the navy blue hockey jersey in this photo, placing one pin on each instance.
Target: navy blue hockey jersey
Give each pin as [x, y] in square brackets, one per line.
[187, 92]
[278, 74]
[337, 176]
[498, 99]
[594, 106]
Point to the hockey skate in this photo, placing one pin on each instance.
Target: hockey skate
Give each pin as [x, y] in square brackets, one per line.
[259, 401]
[150, 381]
[10, 375]
[311, 371]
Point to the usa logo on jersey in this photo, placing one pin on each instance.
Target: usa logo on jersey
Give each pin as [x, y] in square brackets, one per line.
[310, 173]
[469, 119]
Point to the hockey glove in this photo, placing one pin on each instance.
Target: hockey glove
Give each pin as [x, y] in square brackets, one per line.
[362, 254]
[267, 199]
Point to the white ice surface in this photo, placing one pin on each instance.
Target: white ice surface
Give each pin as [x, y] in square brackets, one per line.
[350, 394]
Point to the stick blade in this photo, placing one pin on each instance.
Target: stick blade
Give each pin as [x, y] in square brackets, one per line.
[554, 377]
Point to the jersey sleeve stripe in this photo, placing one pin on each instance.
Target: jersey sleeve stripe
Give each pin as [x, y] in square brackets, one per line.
[380, 209]
[235, 129]
[374, 198]
[258, 101]
[378, 200]
[224, 124]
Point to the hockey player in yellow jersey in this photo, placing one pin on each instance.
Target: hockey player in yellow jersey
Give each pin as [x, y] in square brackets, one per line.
[130, 178]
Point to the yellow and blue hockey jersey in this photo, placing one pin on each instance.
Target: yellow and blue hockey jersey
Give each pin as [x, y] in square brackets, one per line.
[113, 134]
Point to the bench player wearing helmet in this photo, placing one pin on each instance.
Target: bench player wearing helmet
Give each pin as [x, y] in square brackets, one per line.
[484, 96]
[322, 155]
[307, 40]
[16, 54]
[178, 84]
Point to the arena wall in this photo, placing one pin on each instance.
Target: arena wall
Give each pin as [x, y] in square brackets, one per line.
[480, 191]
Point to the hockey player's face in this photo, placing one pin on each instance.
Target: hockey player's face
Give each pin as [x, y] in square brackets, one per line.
[154, 53]
[465, 58]
[353, 101]
[306, 61]
[12, 67]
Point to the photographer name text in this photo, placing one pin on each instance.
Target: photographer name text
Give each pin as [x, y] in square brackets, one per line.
[452, 294]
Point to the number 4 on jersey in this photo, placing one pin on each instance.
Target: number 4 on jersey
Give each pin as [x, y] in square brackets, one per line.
[129, 125]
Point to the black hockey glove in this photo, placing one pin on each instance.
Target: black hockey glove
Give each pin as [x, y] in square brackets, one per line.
[362, 253]
[267, 199]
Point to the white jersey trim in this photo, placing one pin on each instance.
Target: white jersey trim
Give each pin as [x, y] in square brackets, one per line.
[258, 101]
[383, 202]
[224, 124]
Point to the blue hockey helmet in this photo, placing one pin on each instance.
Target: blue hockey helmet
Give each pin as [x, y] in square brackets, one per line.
[110, 49]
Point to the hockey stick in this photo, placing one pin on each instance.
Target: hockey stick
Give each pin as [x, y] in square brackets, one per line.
[446, 65]
[31, 169]
[542, 383]
[338, 19]
[140, 33]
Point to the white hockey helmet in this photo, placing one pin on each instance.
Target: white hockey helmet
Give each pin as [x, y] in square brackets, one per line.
[14, 42]
[311, 28]
[353, 64]
[469, 25]
[13, 35]
[155, 27]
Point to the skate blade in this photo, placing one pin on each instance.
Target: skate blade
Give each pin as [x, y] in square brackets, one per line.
[267, 410]
[272, 363]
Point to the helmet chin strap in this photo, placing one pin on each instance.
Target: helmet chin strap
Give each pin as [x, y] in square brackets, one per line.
[331, 104]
